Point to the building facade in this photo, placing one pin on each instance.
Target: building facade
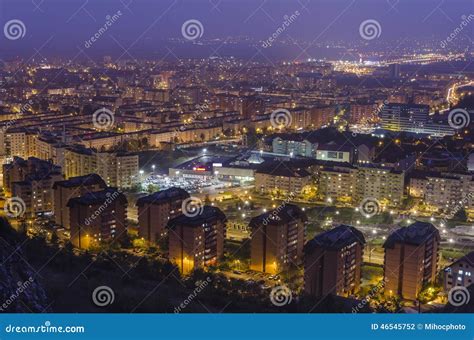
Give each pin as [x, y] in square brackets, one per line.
[411, 259]
[333, 262]
[97, 217]
[278, 239]
[72, 187]
[460, 273]
[155, 211]
[197, 241]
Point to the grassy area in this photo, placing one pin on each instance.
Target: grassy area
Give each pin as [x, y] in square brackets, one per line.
[345, 215]
[449, 254]
[370, 276]
[377, 242]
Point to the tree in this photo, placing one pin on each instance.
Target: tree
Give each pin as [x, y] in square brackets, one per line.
[460, 215]
[152, 188]
[125, 241]
[409, 203]
[54, 239]
[387, 218]
[252, 137]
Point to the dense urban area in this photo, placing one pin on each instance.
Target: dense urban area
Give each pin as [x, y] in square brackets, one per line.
[228, 184]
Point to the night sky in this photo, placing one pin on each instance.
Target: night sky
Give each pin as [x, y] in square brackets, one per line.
[60, 27]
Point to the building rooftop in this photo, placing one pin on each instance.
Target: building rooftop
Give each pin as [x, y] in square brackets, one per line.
[282, 169]
[208, 214]
[415, 234]
[336, 238]
[80, 181]
[469, 258]
[284, 214]
[98, 197]
[163, 196]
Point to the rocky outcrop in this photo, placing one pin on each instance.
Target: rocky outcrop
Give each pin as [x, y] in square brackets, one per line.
[20, 289]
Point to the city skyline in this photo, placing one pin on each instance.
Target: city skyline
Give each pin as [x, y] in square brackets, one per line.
[237, 156]
[311, 29]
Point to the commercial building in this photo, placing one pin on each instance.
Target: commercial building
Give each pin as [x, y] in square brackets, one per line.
[155, 211]
[412, 118]
[404, 117]
[97, 217]
[411, 259]
[278, 238]
[197, 241]
[332, 262]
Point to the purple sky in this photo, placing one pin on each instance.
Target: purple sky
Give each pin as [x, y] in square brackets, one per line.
[61, 27]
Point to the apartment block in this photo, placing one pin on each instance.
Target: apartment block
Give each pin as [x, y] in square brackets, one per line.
[97, 217]
[118, 169]
[460, 273]
[197, 241]
[337, 184]
[411, 259]
[32, 180]
[155, 211]
[278, 238]
[73, 187]
[385, 185]
[332, 262]
[79, 161]
[282, 179]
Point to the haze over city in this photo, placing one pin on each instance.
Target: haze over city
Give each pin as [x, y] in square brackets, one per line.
[237, 156]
